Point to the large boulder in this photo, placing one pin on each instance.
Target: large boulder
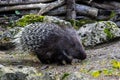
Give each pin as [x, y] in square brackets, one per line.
[99, 32]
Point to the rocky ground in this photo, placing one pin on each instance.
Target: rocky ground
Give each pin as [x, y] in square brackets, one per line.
[99, 59]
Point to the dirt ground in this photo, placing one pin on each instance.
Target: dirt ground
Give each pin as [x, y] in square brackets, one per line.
[99, 58]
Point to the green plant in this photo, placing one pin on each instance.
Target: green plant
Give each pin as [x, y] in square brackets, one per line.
[64, 76]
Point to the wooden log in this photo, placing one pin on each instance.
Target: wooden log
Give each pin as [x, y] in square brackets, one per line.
[50, 6]
[82, 17]
[102, 6]
[70, 9]
[115, 4]
[16, 2]
[80, 9]
[57, 11]
[86, 10]
[31, 6]
[20, 7]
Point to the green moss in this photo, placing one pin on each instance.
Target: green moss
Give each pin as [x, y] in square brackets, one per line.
[85, 21]
[27, 19]
[109, 34]
[65, 75]
[111, 71]
[78, 23]
[111, 26]
[112, 15]
[115, 64]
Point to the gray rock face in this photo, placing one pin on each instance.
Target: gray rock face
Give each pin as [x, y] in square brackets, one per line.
[24, 73]
[14, 76]
[15, 73]
[99, 32]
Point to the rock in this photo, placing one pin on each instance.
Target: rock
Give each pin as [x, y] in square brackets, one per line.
[15, 73]
[76, 76]
[43, 76]
[58, 21]
[14, 76]
[6, 38]
[1, 72]
[24, 73]
[48, 76]
[99, 32]
[1, 66]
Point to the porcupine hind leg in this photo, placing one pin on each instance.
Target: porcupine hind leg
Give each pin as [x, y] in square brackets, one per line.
[43, 58]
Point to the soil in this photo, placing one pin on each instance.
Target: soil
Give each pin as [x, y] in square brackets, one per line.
[99, 58]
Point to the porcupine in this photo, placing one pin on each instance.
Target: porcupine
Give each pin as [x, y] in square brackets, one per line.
[52, 43]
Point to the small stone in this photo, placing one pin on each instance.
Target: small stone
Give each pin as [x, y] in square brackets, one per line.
[1, 66]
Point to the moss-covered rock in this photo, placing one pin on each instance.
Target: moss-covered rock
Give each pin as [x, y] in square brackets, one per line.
[32, 18]
[99, 32]
[27, 19]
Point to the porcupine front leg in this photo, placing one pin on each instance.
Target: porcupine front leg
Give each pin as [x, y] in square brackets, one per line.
[61, 57]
